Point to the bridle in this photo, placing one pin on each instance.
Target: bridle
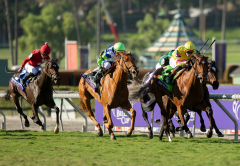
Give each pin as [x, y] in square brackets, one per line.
[51, 74]
[127, 68]
[195, 70]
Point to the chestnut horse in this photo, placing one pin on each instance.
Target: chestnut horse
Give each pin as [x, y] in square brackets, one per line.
[114, 92]
[38, 92]
[146, 107]
[187, 91]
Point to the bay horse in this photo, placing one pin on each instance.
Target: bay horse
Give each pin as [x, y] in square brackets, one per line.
[114, 92]
[187, 91]
[38, 92]
[212, 79]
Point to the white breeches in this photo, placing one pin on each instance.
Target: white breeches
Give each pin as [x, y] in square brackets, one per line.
[172, 63]
[32, 69]
[106, 65]
[158, 66]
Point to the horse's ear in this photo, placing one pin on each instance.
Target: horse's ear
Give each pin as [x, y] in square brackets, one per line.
[129, 52]
[56, 60]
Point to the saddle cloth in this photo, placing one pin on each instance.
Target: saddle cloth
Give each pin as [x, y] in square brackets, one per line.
[17, 80]
[90, 82]
[164, 77]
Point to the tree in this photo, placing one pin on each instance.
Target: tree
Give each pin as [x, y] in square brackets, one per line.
[52, 26]
[9, 32]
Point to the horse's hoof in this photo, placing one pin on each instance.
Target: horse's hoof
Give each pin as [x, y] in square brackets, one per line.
[178, 129]
[160, 138]
[100, 133]
[189, 135]
[128, 133]
[209, 134]
[150, 135]
[27, 124]
[41, 128]
[203, 129]
[56, 130]
[113, 137]
[220, 135]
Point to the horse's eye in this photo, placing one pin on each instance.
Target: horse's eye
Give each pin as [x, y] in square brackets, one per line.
[126, 60]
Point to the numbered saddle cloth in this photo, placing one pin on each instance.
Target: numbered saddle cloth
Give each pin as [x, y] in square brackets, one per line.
[164, 77]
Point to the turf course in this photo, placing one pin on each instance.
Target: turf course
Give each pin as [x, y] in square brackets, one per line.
[74, 148]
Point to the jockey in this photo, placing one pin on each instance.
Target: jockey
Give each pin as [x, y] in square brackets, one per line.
[32, 63]
[105, 60]
[164, 60]
[179, 58]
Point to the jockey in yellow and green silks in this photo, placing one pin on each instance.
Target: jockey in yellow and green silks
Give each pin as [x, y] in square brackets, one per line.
[180, 57]
[105, 60]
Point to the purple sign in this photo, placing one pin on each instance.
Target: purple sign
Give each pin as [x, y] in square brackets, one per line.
[119, 118]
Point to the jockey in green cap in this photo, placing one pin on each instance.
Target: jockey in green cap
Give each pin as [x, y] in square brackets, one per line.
[105, 60]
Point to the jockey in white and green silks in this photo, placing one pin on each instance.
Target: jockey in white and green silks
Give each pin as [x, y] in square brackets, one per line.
[105, 60]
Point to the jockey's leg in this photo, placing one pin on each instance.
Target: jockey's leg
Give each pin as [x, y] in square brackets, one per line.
[31, 70]
[174, 71]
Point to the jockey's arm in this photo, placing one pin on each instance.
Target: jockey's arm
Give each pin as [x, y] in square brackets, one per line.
[23, 64]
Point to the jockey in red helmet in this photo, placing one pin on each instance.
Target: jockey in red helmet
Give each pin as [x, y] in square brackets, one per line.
[32, 63]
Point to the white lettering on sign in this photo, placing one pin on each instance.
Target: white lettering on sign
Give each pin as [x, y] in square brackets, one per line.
[120, 115]
[235, 107]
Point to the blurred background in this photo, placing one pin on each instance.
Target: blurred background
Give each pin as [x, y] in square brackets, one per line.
[78, 30]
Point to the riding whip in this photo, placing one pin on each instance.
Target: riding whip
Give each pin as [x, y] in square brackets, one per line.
[209, 46]
[204, 44]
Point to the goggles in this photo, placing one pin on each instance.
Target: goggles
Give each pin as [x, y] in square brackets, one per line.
[189, 51]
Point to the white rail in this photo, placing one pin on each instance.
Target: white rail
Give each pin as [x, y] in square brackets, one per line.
[62, 95]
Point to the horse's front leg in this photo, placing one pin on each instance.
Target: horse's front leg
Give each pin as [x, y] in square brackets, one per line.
[128, 106]
[52, 104]
[203, 106]
[108, 121]
[202, 127]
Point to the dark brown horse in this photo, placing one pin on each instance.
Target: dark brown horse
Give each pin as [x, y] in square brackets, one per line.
[114, 92]
[38, 92]
[187, 91]
[149, 97]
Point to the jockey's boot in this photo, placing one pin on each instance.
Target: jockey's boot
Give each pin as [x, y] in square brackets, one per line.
[24, 80]
[96, 76]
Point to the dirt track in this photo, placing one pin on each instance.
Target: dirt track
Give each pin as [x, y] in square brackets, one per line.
[13, 123]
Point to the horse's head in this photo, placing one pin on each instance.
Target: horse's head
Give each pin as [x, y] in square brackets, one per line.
[128, 63]
[212, 77]
[52, 71]
[200, 67]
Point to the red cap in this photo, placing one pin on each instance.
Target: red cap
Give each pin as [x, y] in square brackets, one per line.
[45, 49]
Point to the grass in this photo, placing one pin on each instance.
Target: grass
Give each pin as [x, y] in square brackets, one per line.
[74, 148]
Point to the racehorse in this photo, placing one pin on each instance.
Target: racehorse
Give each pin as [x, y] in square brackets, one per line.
[187, 91]
[38, 92]
[114, 92]
[149, 97]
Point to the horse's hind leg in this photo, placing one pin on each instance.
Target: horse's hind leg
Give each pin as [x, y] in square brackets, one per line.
[36, 118]
[52, 104]
[84, 98]
[19, 109]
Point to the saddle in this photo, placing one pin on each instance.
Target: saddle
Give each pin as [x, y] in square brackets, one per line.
[166, 72]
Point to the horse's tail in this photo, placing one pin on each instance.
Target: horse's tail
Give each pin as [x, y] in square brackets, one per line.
[136, 89]
[150, 105]
[7, 96]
